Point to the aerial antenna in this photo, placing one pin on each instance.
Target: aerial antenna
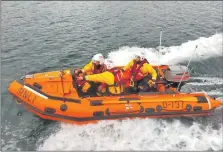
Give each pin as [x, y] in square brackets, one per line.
[159, 50]
[186, 69]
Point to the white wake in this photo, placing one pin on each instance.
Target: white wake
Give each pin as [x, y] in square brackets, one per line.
[207, 47]
[137, 134]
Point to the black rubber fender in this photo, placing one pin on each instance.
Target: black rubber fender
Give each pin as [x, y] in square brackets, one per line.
[141, 109]
[188, 107]
[98, 113]
[50, 110]
[107, 112]
[159, 108]
[63, 107]
[96, 102]
[37, 86]
[201, 99]
[197, 108]
[149, 110]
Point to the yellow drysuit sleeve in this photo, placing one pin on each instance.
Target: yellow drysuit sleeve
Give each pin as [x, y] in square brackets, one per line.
[147, 68]
[129, 65]
[105, 77]
[88, 67]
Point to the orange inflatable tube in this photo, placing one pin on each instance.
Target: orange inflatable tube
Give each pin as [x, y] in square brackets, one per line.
[54, 96]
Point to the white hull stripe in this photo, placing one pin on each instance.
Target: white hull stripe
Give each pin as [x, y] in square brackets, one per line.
[209, 103]
[37, 93]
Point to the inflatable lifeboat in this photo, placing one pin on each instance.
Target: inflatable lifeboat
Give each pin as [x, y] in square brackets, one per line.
[56, 96]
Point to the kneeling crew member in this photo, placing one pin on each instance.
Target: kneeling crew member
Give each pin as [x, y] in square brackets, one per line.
[113, 79]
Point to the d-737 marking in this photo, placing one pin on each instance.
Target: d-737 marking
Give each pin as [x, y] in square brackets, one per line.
[173, 104]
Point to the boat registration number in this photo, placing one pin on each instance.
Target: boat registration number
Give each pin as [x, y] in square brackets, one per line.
[173, 104]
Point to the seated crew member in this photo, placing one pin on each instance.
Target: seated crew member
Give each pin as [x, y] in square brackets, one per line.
[93, 67]
[113, 79]
[141, 70]
[96, 65]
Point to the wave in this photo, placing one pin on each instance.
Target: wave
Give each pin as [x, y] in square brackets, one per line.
[148, 134]
[207, 48]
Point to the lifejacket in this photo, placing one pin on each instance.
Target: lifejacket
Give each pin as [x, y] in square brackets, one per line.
[136, 71]
[119, 79]
[117, 75]
[80, 83]
[98, 70]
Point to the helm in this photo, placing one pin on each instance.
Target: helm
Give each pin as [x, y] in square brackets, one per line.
[109, 64]
[98, 57]
[141, 55]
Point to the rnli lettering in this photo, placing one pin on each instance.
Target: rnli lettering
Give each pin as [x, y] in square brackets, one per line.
[26, 94]
[20, 91]
[173, 104]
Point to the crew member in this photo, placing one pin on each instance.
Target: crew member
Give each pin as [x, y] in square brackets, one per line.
[141, 71]
[113, 80]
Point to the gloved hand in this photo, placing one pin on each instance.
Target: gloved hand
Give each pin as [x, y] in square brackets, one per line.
[151, 83]
[80, 78]
[77, 71]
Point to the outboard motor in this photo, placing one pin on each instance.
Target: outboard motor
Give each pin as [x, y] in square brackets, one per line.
[175, 74]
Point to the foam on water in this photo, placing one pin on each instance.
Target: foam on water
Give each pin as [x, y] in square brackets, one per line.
[137, 134]
[207, 47]
[207, 81]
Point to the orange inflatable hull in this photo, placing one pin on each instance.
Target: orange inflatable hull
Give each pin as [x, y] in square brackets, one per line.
[54, 97]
